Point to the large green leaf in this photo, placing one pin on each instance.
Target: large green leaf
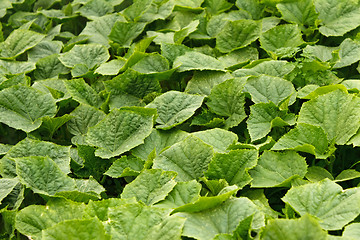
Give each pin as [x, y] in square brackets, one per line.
[305, 138]
[282, 40]
[120, 131]
[124, 33]
[327, 201]
[233, 166]
[34, 173]
[95, 8]
[227, 99]
[31, 220]
[125, 166]
[272, 68]
[138, 221]
[189, 158]
[75, 229]
[151, 186]
[203, 81]
[348, 53]
[266, 88]
[84, 117]
[88, 54]
[197, 61]
[99, 29]
[277, 169]
[159, 139]
[6, 186]
[265, 116]
[335, 112]
[49, 67]
[29, 147]
[299, 12]
[83, 93]
[306, 227]
[174, 108]
[254, 7]
[337, 17]
[221, 219]
[18, 42]
[237, 34]
[22, 107]
[183, 193]
[219, 139]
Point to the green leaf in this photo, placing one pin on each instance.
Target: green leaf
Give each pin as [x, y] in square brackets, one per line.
[218, 138]
[90, 55]
[277, 169]
[124, 33]
[125, 166]
[6, 186]
[51, 125]
[189, 158]
[95, 8]
[44, 49]
[84, 117]
[72, 229]
[29, 147]
[172, 51]
[221, 219]
[237, 34]
[335, 112]
[203, 81]
[174, 108]
[352, 231]
[16, 67]
[136, 9]
[239, 57]
[180, 35]
[83, 93]
[337, 17]
[233, 166]
[18, 42]
[157, 10]
[131, 83]
[316, 174]
[197, 61]
[34, 171]
[32, 219]
[306, 227]
[346, 175]
[151, 186]
[120, 131]
[99, 29]
[23, 107]
[227, 99]
[319, 52]
[327, 201]
[204, 203]
[254, 7]
[281, 39]
[138, 221]
[264, 116]
[152, 63]
[159, 140]
[182, 194]
[271, 68]
[304, 138]
[269, 89]
[49, 67]
[349, 51]
[299, 12]
[112, 67]
[215, 7]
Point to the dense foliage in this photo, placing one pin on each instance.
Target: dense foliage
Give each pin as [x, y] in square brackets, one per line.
[179, 119]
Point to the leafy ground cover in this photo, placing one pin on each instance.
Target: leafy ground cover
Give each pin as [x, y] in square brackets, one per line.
[180, 119]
